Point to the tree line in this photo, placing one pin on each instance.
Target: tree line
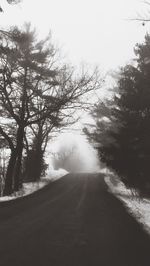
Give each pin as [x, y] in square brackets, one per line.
[122, 124]
[38, 94]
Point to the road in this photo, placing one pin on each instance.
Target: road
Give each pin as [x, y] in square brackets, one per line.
[73, 221]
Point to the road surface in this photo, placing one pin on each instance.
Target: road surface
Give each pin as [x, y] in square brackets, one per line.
[74, 221]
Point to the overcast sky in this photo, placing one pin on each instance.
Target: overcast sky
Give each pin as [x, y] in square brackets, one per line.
[93, 31]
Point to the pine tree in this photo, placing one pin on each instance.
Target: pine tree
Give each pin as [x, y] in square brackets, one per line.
[125, 137]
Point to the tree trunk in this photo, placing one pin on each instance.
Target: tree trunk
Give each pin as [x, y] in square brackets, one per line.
[19, 148]
[39, 160]
[8, 188]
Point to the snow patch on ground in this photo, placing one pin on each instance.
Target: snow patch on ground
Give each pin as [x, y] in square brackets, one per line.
[31, 187]
[55, 174]
[139, 208]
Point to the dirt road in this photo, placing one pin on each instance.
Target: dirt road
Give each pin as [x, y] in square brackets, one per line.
[74, 221]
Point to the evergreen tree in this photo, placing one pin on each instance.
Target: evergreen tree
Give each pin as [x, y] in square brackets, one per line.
[125, 137]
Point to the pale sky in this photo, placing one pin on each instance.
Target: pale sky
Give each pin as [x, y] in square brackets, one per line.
[91, 31]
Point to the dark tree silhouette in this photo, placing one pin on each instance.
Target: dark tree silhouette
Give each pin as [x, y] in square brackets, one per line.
[34, 90]
[124, 135]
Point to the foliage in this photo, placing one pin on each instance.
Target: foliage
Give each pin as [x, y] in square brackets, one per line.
[36, 93]
[124, 135]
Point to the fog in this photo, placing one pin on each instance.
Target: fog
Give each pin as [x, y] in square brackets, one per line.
[74, 153]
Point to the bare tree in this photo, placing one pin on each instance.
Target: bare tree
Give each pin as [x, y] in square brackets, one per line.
[145, 17]
[29, 78]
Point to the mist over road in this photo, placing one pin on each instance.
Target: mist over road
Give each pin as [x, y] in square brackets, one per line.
[74, 221]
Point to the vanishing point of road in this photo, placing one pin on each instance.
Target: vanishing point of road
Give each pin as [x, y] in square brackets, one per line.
[74, 221]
